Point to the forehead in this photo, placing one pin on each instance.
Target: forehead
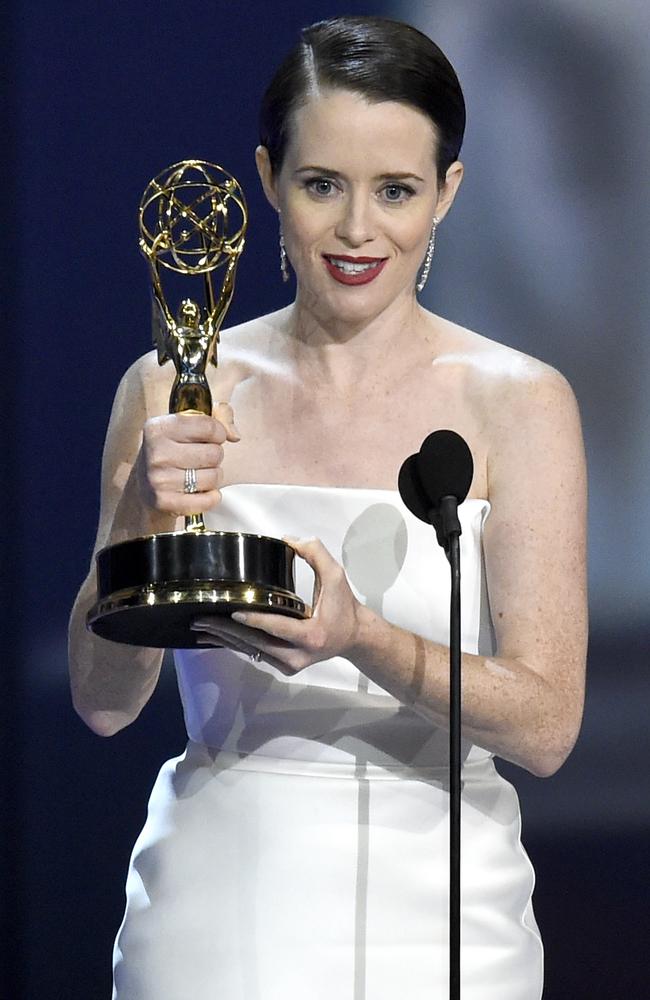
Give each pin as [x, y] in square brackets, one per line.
[338, 127]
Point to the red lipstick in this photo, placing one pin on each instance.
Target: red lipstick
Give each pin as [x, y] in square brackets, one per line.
[354, 274]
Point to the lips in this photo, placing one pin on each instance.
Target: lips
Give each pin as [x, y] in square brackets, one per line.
[354, 270]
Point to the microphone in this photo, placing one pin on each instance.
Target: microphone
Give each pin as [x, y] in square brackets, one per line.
[432, 483]
[434, 480]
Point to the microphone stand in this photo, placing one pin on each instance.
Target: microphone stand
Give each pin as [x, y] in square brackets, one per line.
[448, 530]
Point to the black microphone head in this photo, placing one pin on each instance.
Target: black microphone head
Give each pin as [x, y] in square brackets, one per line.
[410, 489]
[444, 467]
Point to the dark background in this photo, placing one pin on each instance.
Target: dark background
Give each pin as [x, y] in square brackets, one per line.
[544, 251]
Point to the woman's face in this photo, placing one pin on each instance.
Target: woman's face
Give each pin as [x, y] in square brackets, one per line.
[357, 192]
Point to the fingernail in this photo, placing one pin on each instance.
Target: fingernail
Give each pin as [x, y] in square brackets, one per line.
[239, 616]
[200, 625]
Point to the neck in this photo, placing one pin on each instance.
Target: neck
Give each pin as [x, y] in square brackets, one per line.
[340, 351]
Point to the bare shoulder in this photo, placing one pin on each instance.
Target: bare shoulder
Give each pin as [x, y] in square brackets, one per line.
[272, 324]
[147, 384]
[506, 384]
[257, 342]
[144, 371]
[531, 431]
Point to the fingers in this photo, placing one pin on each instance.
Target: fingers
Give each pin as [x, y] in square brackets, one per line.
[281, 627]
[186, 428]
[213, 636]
[215, 629]
[167, 487]
[292, 644]
[188, 456]
[312, 551]
[298, 641]
[224, 414]
[175, 442]
[186, 504]
[198, 427]
[319, 559]
[166, 478]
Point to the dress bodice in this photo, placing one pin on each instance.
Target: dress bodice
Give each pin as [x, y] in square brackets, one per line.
[331, 712]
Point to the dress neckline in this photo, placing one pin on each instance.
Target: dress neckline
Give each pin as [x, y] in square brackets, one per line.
[331, 489]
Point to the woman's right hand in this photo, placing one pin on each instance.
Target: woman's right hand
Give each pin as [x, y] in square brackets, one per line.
[175, 442]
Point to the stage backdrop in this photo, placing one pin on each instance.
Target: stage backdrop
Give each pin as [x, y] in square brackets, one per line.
[545, 250]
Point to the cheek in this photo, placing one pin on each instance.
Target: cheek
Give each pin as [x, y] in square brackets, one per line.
[411, 232]
[413, 222]
[305, 231]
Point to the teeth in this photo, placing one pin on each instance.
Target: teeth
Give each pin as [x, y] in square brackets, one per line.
[348, 268]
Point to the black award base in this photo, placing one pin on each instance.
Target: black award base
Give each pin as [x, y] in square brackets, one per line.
[150, 590]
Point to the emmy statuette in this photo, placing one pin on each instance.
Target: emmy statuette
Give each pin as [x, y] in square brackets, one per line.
[193, 219]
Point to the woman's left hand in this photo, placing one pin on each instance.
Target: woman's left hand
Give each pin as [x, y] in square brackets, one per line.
[288, 643]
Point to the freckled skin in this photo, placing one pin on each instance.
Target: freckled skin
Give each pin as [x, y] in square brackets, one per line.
[337, 389]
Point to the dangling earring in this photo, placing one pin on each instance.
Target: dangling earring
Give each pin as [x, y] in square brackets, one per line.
[284, 266]
[429, 256]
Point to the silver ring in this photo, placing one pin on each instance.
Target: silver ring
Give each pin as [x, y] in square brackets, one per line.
[191, 485]
[256, 656]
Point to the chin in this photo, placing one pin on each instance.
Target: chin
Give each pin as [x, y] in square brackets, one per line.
[349, 303]
[363, 306]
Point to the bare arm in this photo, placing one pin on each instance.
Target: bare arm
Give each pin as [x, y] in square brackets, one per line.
[524, 703]
[141, 493]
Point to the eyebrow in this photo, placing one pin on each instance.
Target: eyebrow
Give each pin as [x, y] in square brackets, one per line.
[397, 175]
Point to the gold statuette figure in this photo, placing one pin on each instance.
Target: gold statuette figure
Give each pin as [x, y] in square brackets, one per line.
[193, 219]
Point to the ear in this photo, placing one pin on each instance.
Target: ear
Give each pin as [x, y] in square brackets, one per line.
[266, 175]
[448, 190]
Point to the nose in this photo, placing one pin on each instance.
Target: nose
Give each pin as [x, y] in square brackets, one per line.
[356, 224]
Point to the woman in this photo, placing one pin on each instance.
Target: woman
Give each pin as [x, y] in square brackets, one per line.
[299, 847]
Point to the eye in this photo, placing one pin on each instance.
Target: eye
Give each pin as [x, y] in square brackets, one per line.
[320, 186]
[397, 193]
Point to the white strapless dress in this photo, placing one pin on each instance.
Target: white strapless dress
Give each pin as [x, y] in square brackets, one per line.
[298, 850]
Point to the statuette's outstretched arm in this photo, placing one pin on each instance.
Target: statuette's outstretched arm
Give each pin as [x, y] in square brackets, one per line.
[226, 295]
[162, 321]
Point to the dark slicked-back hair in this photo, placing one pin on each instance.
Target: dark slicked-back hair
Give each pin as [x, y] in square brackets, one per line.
[381, 59]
